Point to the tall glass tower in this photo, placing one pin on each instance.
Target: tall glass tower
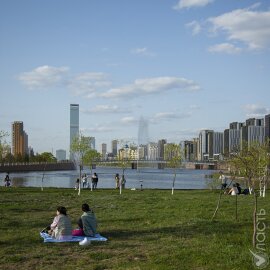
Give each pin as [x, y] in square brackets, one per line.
[143, 137]
[74, 123]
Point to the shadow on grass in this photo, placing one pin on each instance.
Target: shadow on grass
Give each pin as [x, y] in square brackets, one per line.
[178, 231]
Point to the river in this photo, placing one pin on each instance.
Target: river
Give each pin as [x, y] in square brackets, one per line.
[148, 178]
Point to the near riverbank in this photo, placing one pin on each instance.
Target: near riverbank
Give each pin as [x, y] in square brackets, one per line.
[149, 229]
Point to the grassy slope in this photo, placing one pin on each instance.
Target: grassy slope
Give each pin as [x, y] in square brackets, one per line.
[146, 230]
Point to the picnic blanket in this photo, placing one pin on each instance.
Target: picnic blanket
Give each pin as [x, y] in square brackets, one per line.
[47, 238]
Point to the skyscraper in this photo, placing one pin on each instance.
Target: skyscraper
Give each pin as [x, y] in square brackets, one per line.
[74, 123]
[161, 144]
[114, 148]
[104, 150]
[143, 138]
[253, 131]
[206, 144]
[19, 139]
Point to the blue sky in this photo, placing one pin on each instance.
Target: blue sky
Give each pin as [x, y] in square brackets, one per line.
[182, 65]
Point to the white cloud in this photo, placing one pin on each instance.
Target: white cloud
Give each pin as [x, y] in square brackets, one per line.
[43, 77]
[195, 26]
[97, 129]
[225, 48]
[106, 109]
[191, 3]
[170, 115]
[184, 133]
[87, 83]
[129, 120]
[255, 110]
[248, 26]
[142, 51]
[151, 86]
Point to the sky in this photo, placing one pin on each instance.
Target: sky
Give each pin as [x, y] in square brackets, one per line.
[182, 65]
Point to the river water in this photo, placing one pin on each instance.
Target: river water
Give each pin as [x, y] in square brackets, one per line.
[149, 178]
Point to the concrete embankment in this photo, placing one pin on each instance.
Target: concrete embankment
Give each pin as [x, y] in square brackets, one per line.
[27, 167]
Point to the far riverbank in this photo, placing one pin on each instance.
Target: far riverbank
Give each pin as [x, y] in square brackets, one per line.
[28, 167]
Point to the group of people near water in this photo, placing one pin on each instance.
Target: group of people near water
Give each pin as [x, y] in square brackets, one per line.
[85, 183]
[120, 182]
[234, 190]
[61, 227]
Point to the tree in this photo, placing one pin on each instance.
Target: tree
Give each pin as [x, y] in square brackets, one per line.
[3, 145]
[79, 148]
[124, 155]
[47, 157]
[252, 162]
[91, 156]
[173, 155]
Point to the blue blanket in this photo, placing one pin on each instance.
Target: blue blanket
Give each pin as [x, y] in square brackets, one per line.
[47, 238]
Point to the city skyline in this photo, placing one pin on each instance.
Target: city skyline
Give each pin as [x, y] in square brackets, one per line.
[183, 66]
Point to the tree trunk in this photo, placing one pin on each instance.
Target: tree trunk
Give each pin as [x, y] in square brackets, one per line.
[173, 182]
[219, 199]
[91, 169]
[236, 214]
[254, 220]
[79, 192]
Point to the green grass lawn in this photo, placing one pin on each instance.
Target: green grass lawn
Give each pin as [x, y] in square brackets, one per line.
[149, 229]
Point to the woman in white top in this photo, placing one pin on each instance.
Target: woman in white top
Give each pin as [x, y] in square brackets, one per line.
[61, 227]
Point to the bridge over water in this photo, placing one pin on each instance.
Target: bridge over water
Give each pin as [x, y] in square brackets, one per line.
[161, 164]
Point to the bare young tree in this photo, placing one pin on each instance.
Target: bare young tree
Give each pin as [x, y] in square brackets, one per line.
[3, 144]
[252, 162]
[79, 148]
[173, 156]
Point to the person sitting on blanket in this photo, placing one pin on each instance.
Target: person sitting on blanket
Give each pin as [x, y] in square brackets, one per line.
[87, 223]
[61, 228]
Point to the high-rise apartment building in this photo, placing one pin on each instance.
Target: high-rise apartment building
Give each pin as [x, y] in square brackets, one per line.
[74, 123]
[188, 148]
[161, 144]
[114, 148]
[267, 127]
[103, 150]
[217, 145]
[253, 131]
[19, 139]
[206, 144]
[153, 151]
[232, 138]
